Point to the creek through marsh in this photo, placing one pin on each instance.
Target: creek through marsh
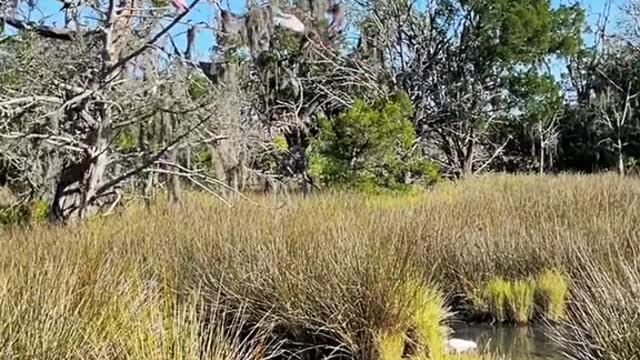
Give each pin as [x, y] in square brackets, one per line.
[512, 342]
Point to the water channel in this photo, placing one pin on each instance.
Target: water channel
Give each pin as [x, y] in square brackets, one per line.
[517, 343]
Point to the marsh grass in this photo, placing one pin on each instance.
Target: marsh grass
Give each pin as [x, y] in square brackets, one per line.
[552, 294]
[492, 299]
[602, 319]
[425, 333]
[507, 301]
[522, 301]
[296, 277]
[391, 346]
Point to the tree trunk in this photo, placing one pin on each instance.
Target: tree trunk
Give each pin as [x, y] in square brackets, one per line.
[218, 167]
[469, 157]
[100, 154]
[172, 157]
[68, 192]
[541, 148]
[76, 191]
[620, 157]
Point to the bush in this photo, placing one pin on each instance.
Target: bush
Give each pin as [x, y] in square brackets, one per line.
[37, 211]
[370, 148]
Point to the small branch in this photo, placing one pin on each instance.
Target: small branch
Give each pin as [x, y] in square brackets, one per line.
[495, 154]
[67, 143]
[148, 162]
[30, 99]
[190, 177]
[46, 31]
[122, 62]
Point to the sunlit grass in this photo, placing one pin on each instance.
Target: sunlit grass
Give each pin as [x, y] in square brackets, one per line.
[516, 301]
[552, 290]
[391, 345]
[311, 276]
[520, 299]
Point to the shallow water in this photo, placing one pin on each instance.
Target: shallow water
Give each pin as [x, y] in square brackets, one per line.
[517, 343]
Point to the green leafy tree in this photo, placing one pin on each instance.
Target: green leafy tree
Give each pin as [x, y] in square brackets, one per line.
[370, 147]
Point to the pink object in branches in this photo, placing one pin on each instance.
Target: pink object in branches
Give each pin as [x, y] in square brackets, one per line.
[180, 5]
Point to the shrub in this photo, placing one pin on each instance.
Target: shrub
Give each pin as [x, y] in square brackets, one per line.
[38, 211]
[369, 148]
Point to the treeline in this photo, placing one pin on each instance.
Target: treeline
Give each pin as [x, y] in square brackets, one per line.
[115, 100]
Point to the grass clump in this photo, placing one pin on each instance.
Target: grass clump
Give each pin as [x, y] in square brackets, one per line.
[495, 295]
[602, 320]
[422, 331]
[552, 289]
[507, 301]
[424, 335]
[520, 300]
[428, 319]
[391, 346]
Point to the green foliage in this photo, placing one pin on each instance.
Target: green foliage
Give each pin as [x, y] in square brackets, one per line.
[201, 158]
[198, 87]
[525, 31]
[38, 211]
[15, 216]
[286, 41]
[280, 144]
[536, 96]
[369, 148]
[127, 141]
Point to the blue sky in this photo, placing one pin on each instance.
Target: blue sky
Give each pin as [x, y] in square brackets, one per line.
[203, 14]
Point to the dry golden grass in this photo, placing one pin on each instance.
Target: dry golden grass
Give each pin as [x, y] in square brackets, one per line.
[313, 277]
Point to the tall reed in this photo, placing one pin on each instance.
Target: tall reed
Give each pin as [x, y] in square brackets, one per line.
[302, 277]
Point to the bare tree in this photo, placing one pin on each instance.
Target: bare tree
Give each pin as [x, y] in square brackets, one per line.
[614, 108]
[82, 110]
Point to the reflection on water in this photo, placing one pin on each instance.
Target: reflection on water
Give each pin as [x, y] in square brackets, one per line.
[518, 343]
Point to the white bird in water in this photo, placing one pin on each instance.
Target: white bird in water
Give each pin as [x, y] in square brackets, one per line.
[460, 346]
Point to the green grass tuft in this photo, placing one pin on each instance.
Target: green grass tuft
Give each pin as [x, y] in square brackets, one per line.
[507, 301]
[391, 346]
[520, 301]
[552, 290]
